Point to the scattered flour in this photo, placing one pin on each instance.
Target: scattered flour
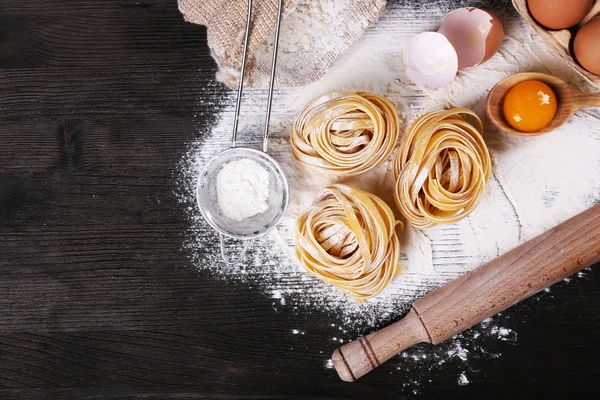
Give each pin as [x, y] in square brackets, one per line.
[537, 182]
[464, 351]
[276, 294]
[504, 333]
[462, 379]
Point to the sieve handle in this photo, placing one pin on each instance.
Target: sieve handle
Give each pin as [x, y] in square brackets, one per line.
[272, 79]
[243, 72]
[227, 261]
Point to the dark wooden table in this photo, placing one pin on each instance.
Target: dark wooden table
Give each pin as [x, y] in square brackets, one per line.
[98, 100]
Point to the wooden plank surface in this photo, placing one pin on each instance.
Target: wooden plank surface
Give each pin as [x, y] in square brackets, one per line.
[98, 102]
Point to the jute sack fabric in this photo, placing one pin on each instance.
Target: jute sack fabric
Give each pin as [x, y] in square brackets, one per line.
[329, 37]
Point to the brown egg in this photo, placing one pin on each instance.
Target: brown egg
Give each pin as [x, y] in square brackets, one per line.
[586, 46]
[559, 14]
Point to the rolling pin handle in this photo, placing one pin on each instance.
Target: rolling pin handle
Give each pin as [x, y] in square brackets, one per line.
[355, 359]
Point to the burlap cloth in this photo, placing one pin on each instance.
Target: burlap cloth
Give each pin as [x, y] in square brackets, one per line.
[326, 29]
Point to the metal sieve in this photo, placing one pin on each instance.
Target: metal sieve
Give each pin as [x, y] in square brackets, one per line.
[206, 191]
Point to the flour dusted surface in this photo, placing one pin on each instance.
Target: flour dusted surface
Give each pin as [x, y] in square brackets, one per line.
[537, 182]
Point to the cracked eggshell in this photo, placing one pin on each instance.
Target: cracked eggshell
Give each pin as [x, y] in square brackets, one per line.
[475, 34]
[430, 60]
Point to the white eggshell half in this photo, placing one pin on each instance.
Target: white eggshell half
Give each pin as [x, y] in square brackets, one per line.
[467, 29]
[430, 60]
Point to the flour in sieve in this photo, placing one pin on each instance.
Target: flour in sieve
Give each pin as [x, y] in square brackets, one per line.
[243, 189]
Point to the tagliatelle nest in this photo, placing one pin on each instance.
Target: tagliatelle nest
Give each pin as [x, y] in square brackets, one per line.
[345, 133]
[442, 168]
[349, 239]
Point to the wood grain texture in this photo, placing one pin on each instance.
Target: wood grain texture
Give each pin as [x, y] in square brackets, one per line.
[458, 305]
[98, 103]
[359, 357]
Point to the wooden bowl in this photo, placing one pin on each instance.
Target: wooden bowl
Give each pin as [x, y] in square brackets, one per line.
[560, 40]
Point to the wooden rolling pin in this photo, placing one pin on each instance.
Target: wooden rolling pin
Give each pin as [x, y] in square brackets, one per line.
[477, 295]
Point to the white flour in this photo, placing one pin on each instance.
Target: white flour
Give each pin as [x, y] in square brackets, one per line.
[537, 182]
[314, 33]
[465, 352]
[242, 189]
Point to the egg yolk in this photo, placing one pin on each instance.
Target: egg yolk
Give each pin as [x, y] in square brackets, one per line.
[529, 106]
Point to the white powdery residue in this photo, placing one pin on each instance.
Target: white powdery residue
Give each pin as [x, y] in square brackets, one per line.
[313, 34]
[537, 182]
[481, 343]
[277, 295]
[304, 18]
[462, 379]
[503, 333]
[329, 364]
[459, 351]
[243, 189]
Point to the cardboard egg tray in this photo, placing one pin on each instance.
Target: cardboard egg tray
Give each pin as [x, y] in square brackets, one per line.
[560, 40]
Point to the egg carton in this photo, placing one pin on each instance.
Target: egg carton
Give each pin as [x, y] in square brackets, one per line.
[560, 40]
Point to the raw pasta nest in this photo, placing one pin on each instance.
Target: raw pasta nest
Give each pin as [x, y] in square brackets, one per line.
[345, 133]
[349, 239]
[442, 168]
